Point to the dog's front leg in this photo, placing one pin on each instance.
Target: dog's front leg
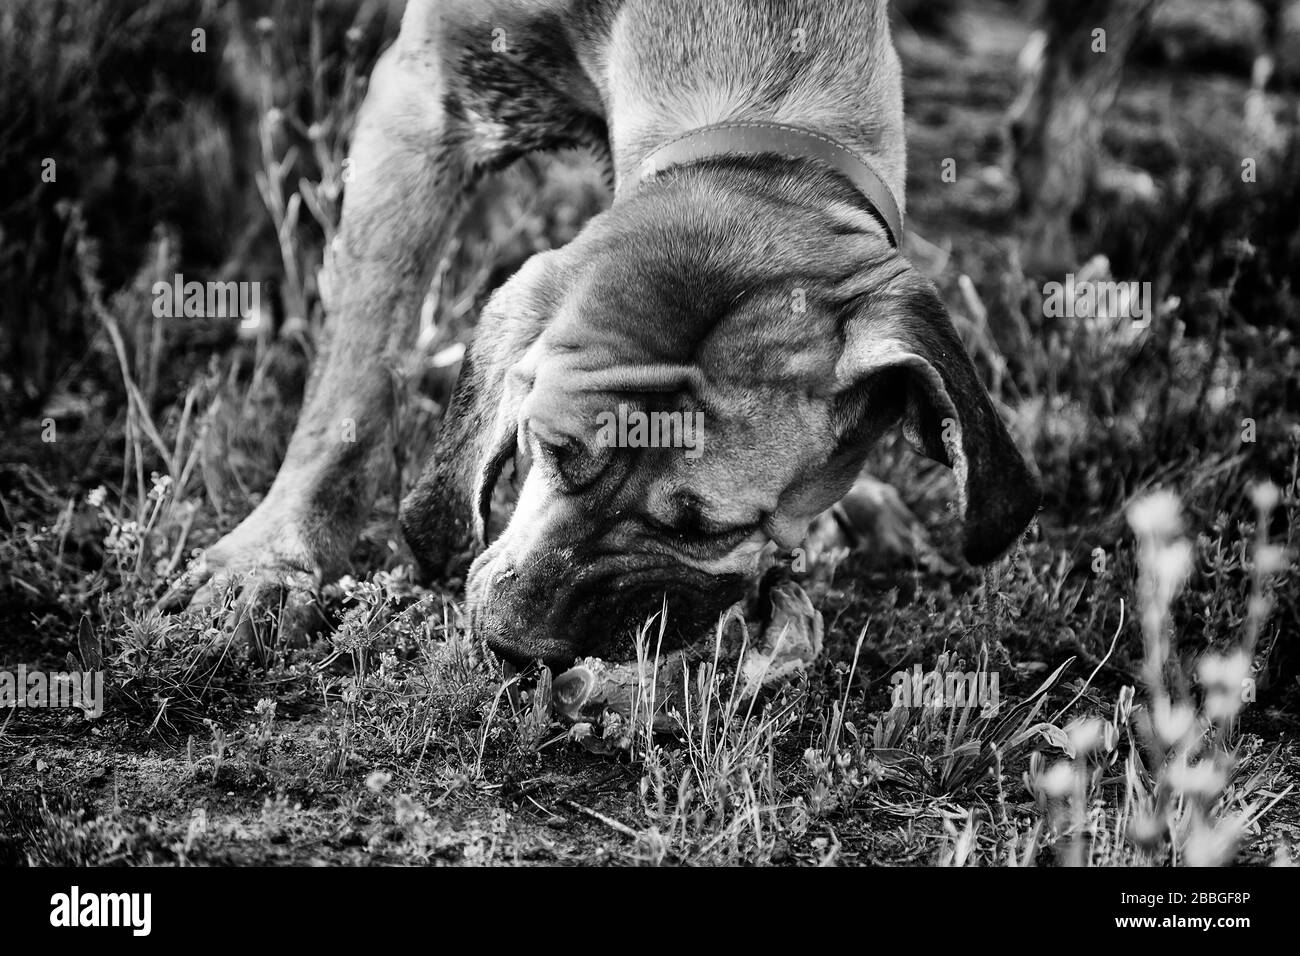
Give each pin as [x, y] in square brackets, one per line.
[409, 172]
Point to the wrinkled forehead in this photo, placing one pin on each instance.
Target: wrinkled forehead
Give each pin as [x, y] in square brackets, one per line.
[575, 392]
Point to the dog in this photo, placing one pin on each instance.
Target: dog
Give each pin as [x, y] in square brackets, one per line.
[746, 276]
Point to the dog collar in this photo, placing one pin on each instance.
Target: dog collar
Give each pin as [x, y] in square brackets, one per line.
[792, 142]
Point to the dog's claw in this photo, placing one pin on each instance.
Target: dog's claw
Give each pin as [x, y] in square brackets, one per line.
[266, 602]
[276, 609]
[185, 591]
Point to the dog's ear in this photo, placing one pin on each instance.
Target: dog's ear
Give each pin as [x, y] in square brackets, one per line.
[485, 437]
[903, 359]
[445, 515]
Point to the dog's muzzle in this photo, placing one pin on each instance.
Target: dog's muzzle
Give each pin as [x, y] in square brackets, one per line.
[558, 606]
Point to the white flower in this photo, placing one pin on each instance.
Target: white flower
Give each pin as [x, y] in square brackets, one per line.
[1212, 846]
[1156, 515]
[162, 484]
[1224, 671]
[1059, 779]
[1265, 496]
[1270, 559]
[1170, 566]
[1202, 779]
[1145, 828]
[1085, 734]
[96, 497]
[1172, 721]
[1223, 677]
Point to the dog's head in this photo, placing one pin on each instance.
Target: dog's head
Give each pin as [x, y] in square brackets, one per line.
[750, 317]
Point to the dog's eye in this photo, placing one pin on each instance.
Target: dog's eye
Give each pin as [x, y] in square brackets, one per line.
[700, 534]
[576, 467]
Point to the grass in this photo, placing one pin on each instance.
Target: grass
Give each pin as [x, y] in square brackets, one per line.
[1159, 577]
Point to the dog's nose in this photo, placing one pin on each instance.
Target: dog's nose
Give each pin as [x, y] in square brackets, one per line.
[521, 643]
[516, 613]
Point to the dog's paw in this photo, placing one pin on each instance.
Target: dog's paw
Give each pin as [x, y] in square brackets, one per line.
[266, 590]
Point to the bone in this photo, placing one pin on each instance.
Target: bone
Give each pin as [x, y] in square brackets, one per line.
[593, 686]
[599, 694]
[791, 641]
